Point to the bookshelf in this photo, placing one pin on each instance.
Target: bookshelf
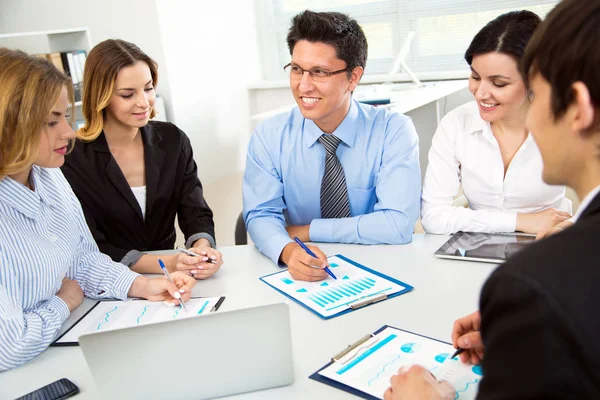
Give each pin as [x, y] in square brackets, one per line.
[51, 41]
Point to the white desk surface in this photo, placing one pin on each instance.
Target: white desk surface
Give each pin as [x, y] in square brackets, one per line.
[404, 97]
[444, 291]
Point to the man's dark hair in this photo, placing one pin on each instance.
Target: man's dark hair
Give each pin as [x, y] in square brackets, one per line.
[332, 28]
[508, 34]
[566, 49]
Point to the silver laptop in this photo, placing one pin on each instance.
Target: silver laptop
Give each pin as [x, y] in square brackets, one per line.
[203, 357]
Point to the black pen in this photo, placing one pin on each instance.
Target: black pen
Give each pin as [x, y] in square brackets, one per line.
[457, 352]
[191, 253]
[216, 306]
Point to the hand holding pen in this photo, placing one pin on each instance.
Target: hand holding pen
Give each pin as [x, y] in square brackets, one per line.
[198, 262]
[302, 265]
[181, 282]
[466, 338]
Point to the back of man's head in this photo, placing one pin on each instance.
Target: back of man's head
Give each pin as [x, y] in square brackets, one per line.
[332, 28]
[566, 49]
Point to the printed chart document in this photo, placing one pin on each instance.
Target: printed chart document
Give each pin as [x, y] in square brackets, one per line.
[107, 315]
[368, 365]
[356, 286]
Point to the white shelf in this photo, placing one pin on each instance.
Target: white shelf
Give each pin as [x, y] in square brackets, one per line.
[41, 42]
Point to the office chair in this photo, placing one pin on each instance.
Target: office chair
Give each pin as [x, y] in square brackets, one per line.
[240, 231]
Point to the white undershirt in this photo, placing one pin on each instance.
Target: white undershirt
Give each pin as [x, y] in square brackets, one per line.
[140, 195]
[465, 151]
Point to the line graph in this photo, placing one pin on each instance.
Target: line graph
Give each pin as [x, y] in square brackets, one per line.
[107, 315]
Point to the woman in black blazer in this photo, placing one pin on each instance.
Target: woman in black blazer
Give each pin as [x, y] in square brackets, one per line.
[132, 175]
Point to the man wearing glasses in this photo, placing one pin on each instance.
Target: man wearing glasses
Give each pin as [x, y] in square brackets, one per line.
[332, 169]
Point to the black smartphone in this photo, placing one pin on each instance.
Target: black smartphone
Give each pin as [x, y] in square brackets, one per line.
[61, 389]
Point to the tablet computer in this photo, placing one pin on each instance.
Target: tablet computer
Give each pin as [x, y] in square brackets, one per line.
[484, 247]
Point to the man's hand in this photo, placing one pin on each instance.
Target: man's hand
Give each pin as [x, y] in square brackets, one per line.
[466, 335]
[302, 232]
[70, 292]
[416, 383]
[302, 266]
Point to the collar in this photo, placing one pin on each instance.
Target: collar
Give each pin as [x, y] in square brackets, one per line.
[23, 199]
[346, 131]
[476, 125]
[149, 135]
[585, 203]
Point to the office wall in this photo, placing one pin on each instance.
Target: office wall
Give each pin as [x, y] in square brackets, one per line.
[211, 53]
[132, 20]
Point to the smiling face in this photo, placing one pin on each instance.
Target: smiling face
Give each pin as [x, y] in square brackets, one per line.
[497, 85]
[327, 102]
[56, 134]
[133, 97]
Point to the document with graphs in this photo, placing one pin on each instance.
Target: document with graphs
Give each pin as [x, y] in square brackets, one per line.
[356, 286]
[107, 315]
[365, 367]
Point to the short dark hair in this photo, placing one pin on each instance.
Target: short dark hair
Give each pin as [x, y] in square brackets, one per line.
[335, 29]
[566, 49]
[508, 34]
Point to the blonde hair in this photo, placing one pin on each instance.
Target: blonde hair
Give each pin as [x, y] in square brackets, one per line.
[29, 88]
[102, 66]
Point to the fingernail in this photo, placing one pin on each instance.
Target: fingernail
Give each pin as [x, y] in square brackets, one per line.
[193, 272]
[463, 342]
[205, 259]
[203, 253]
[181, 291]
[213, 257]
[200, 267]
[177, 295]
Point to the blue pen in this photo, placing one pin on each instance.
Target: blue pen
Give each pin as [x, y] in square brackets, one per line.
[310, 253]
[166, 272]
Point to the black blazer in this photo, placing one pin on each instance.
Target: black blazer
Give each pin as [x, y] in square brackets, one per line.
[540, 315]
[172, 187]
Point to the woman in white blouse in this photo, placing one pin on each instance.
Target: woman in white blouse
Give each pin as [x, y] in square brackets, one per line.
[486, 146]
[48, 259]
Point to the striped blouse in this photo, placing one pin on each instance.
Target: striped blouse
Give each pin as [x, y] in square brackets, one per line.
[43, 239]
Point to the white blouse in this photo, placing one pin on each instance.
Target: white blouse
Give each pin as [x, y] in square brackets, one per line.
[464, 150]
[140, 195]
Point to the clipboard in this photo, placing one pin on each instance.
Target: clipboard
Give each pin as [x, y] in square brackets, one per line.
[212, 306]
[345, 294]
[359, 349]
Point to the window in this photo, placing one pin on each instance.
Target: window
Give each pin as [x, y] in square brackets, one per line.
[443, 29]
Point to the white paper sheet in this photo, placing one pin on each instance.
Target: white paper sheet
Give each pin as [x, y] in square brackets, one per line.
[120, 314]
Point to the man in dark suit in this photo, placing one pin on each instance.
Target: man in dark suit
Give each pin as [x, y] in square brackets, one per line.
[539, 322]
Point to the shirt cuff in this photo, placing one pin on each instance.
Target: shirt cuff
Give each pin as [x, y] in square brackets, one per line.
[203, 235]
[57, 304]
[131, 258]
[503, 221]
[274, 247]
[321, 230]
[123, 284]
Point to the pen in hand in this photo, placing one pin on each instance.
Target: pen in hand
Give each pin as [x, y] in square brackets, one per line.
[457, 352]
[191, 253]
[166, 272]
[310, 253]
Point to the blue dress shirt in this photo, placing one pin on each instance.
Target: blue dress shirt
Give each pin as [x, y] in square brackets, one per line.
[285, 165]
[43, 239]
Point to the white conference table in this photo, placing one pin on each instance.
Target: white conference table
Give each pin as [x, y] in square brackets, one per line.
[444, 291]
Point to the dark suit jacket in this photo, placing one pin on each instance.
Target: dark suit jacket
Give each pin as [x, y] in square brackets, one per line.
[540, 315]
[172, 187]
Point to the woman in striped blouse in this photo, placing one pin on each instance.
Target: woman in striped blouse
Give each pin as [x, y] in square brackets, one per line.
[48, 258]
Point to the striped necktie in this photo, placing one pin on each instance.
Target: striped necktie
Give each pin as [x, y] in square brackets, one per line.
[334, 193]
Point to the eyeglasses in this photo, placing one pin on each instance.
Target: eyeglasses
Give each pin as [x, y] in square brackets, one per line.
[317, 74]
